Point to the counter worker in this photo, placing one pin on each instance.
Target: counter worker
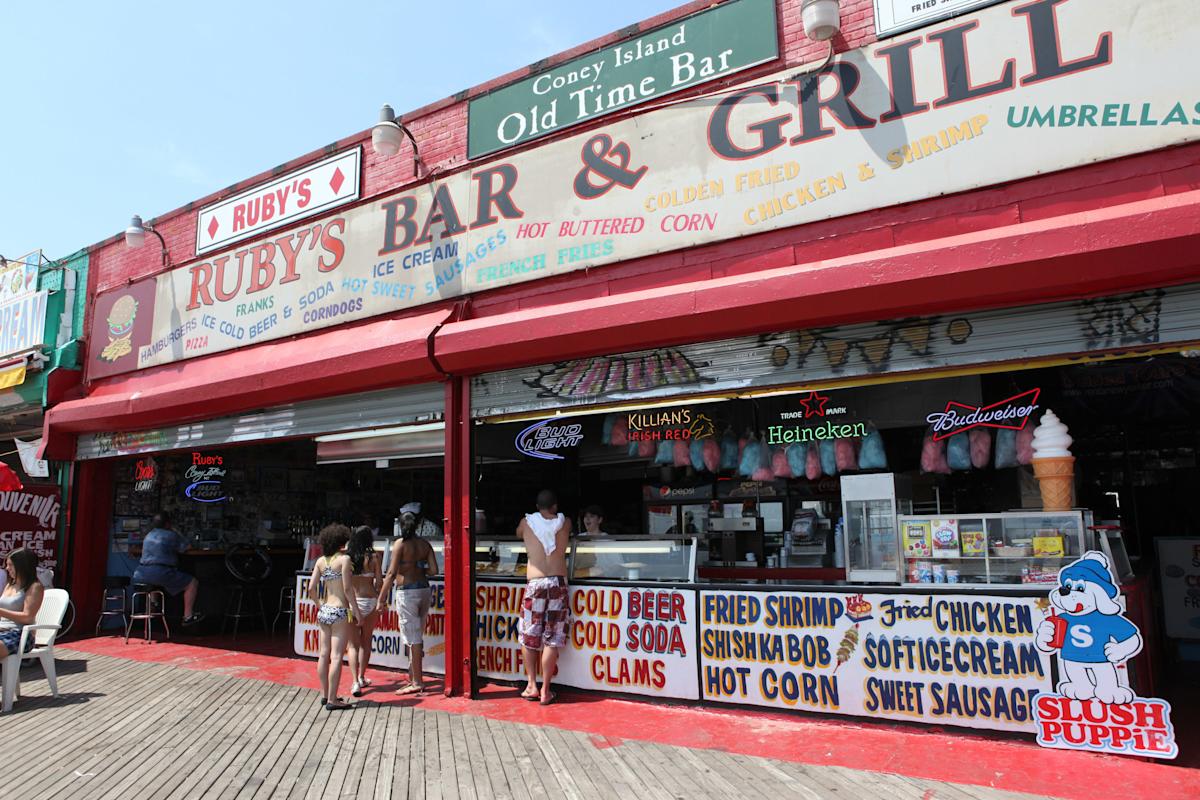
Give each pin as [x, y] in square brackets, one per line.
[159, 565]
[543, 627]
[585, 558]
[413, 562]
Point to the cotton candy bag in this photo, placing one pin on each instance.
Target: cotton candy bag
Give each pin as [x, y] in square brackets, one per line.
[729, 450]
[1006, 449]
[828, 457]
[933, 456]
[981, 447]
[872, 455]
[958, 452]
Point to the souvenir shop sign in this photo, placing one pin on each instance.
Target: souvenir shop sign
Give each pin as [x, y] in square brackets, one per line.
[705, 46]
[968, 660]
[632, 640]
[894, 16]
[1093, 707]
[1011, 414]
[23, 323]
[543, 439]
[327, 184]
[29, 518]
[1060, 83]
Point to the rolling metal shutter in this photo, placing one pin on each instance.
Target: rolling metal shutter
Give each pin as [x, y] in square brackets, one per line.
[1142, 321]
[423, 403]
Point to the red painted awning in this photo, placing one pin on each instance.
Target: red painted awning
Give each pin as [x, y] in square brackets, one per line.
[1149, 243]
[358, 358]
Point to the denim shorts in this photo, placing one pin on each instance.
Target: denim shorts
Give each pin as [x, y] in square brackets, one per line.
[11, 639]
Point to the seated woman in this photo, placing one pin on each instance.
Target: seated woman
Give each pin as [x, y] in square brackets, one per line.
[159, 565]
[20, 601]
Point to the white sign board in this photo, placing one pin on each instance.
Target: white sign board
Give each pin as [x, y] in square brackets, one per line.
[23, 323]
[1179, 572]
[327, 184]
[18, 277]
[967, 660]
[1031, 88]
[894, 16]
[635, 640]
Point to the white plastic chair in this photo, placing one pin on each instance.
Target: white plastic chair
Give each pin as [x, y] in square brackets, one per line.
[45, 629]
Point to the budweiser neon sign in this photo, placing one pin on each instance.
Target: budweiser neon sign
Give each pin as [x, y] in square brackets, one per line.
[1011, 414]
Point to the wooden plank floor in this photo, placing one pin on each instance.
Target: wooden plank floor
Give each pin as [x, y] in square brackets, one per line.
[125, 729]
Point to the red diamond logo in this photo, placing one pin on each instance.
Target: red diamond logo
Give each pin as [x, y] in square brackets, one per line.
[212, 228]
[337, 180]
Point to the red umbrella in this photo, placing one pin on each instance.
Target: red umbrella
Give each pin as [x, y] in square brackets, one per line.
[9, 482]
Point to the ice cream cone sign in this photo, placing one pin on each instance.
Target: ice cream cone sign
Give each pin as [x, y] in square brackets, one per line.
[1093, 707]
[1053, 463]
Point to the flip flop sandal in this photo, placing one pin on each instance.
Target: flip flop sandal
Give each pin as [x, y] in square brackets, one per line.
[341, 705]
[531, 697]
[545, 701]
[411, 690]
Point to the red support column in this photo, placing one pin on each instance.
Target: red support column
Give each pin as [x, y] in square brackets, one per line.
[459, 554]
[87, 540]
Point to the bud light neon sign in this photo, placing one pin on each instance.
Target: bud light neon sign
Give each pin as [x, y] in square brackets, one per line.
[540, 439]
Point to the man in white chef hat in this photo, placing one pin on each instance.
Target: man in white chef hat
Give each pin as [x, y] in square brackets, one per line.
[412, 523]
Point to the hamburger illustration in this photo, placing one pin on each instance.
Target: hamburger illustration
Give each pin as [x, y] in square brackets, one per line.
[120, 328]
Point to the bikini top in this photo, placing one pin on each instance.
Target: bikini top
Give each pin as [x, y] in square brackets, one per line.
[328, 573]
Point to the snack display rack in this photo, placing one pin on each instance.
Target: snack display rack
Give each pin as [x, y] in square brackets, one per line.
[1008, 549]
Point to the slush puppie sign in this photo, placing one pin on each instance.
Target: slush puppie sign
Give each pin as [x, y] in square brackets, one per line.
[699, 48]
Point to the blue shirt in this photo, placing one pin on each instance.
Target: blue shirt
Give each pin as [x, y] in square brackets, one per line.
[1088, 633]
[162, 547]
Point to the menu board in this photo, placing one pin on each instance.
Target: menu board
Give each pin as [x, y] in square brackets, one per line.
[964, 660]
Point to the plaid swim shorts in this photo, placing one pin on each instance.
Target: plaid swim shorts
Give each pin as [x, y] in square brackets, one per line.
[544, 613]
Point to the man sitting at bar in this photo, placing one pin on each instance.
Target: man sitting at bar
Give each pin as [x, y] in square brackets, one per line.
[159, 565]
[543, 628]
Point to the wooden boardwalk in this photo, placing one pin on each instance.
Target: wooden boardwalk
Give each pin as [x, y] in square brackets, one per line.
[125, 729]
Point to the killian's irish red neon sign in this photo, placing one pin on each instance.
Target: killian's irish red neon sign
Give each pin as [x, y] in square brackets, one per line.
[1012, 414]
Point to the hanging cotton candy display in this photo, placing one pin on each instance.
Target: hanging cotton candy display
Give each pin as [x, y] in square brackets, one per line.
[645, 449]
[696, 454]
[666, 453]
[933, 456]
[958, 452]
[845, 454]
[683, 455]
[633, 449]
[619, 435]
[981, 448]
[1006, 449]
[779, 463]
[712, 455]
[1025, 445]
[763, 472]
[828, 457]
[812, 463]
[729, 451]
[610, 421]
[750, 458]
[872, 454]
[796, 455]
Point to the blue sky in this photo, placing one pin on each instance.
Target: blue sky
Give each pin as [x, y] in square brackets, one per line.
[119, 108]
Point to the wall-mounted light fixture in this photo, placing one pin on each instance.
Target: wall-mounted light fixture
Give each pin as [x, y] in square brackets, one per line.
[135, 237]
[388, 134]
[822, 19]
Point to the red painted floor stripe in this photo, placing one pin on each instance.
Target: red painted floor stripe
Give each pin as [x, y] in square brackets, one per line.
[1002, 762]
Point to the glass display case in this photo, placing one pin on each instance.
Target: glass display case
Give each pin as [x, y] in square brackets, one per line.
[634, 558]
[870, 506]
[500, 558]
[1011, 548]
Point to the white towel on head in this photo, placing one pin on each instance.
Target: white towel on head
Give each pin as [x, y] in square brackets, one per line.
[545, 530]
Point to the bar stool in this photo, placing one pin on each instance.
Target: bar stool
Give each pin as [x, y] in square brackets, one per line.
[250, 567]
[114, 592]
[154, 603]
[287, 607]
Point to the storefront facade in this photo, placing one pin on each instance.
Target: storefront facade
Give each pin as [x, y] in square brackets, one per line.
[913, 209]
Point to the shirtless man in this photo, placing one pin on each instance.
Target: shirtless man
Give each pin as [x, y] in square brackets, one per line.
[543, 626]
[413, 563]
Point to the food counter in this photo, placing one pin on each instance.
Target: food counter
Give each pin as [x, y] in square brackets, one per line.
[926, 653]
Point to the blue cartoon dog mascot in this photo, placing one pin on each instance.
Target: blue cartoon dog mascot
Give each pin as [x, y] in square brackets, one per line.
[1097, 637]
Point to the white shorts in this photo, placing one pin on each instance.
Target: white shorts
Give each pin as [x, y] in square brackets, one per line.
[365, 605]
[413, 606]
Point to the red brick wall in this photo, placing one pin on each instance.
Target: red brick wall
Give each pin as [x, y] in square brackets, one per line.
[441, 130]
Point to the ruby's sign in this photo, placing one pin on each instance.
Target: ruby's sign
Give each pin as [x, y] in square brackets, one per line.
[1002, 94]
[310, 190]
[1011, 414]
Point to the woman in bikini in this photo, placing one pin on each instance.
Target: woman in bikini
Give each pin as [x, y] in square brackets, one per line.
[332, 585]
[366, 572]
